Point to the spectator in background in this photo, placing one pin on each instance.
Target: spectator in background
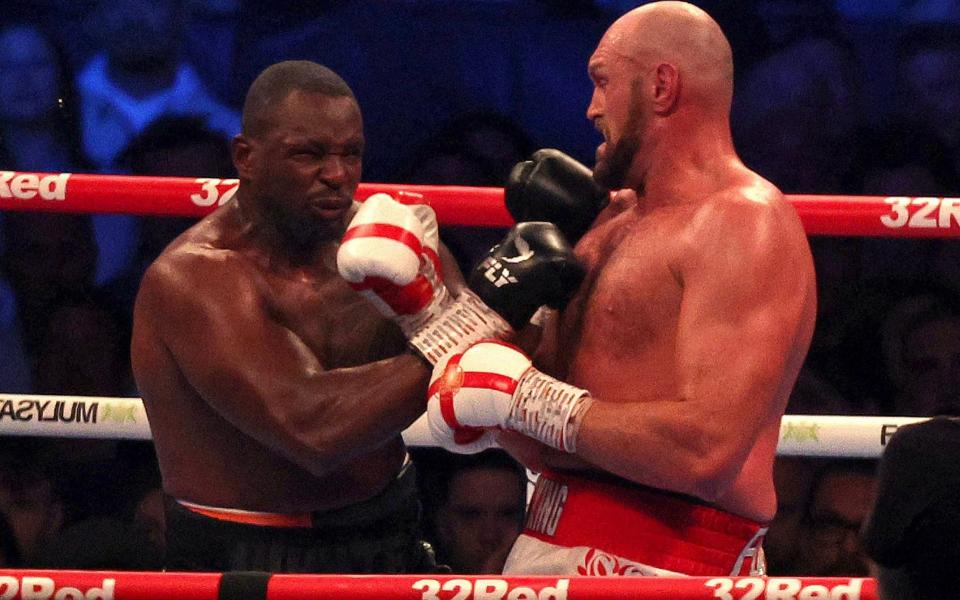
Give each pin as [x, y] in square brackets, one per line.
[914, 525]
[179, 146]
[29, 497]
[83, 350]
[829, 544]
[814, 394]
[475, 149]
[945, 264]
[786, 22]
[793, 478]
[74, 343]
[869, 308]
[123, 532]
[474, 507]
[101, 543]
[171, 146]
[839, 266]
[39, 128]
[14, 364]
[921, 350]
[494, 140]
[45, 257]
[902, 160]
[39, 131]
[928, 64]
[9, 552]
[795, 117]
[139, 76]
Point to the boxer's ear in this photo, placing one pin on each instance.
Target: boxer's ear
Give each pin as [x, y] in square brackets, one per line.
[241, 151]
[666, 88]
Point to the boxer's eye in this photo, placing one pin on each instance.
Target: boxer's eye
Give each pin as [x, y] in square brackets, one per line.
[305, 152]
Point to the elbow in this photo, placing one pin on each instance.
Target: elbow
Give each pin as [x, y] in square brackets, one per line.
[319, 447]
[325, 450]
[713, 473]
[321, 458]
[711, 484]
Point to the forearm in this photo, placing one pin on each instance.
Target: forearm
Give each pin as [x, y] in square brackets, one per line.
[662, 444]
[539, 457]
[344, 413]
[688, 446]
[384, 398]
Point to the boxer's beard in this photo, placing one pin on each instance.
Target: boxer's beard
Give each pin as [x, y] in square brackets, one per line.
[612, 171]
[300, 234]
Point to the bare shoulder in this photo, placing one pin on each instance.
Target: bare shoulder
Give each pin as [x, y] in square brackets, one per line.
[751, 214]
[193, 270]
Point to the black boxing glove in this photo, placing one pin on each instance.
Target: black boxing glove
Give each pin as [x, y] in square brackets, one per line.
[554, 187]
[533, 266]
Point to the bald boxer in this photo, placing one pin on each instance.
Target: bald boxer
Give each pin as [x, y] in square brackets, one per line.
[653, 404]
[276, 393]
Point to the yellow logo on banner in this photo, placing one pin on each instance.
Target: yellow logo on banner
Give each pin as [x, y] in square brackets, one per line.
[119, 414]
[801, 432]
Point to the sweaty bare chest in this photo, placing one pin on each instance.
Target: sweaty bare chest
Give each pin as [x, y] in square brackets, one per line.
[630, 300]
[339, 326]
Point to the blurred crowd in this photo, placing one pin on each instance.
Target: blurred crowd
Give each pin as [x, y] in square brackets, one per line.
[832, 97]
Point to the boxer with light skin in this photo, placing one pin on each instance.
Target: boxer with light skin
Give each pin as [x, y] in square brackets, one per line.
[276, 394]
[664, 379]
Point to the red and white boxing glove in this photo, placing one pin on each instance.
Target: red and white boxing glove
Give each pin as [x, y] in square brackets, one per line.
[389, 255]
[493, 385]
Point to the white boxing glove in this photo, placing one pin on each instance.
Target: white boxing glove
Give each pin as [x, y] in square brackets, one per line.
[385, 255]
[389, 255]
[493, 385]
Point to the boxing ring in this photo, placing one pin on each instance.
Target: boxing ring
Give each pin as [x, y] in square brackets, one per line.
[125, 418]
[96, 585]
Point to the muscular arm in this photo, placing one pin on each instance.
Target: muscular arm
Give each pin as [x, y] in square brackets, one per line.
[743, 328]
[263, 379]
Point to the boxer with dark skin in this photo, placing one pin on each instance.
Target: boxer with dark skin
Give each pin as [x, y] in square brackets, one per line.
[271, 386]
[699, 302]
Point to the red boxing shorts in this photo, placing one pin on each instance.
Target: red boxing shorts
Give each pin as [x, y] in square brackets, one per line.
[579, 526]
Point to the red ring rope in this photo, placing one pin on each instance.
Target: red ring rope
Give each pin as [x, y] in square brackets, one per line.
[900, 216]
[105, 585]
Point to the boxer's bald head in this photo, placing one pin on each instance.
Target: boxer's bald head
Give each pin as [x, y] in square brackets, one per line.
[277, 81]
[661, 71]
[681, 35]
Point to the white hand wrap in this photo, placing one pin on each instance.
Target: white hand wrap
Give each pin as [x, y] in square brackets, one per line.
[493, 385]
[548, 409]
[455, 324]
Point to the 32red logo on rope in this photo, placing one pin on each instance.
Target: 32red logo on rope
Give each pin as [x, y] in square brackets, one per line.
[782, 588]
[214, 191]
[486, 589]
[26, 186]
[922, 213]
[44, 588]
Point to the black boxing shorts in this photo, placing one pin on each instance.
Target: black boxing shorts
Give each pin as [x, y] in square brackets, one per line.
[379, 535]
[580, 526]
